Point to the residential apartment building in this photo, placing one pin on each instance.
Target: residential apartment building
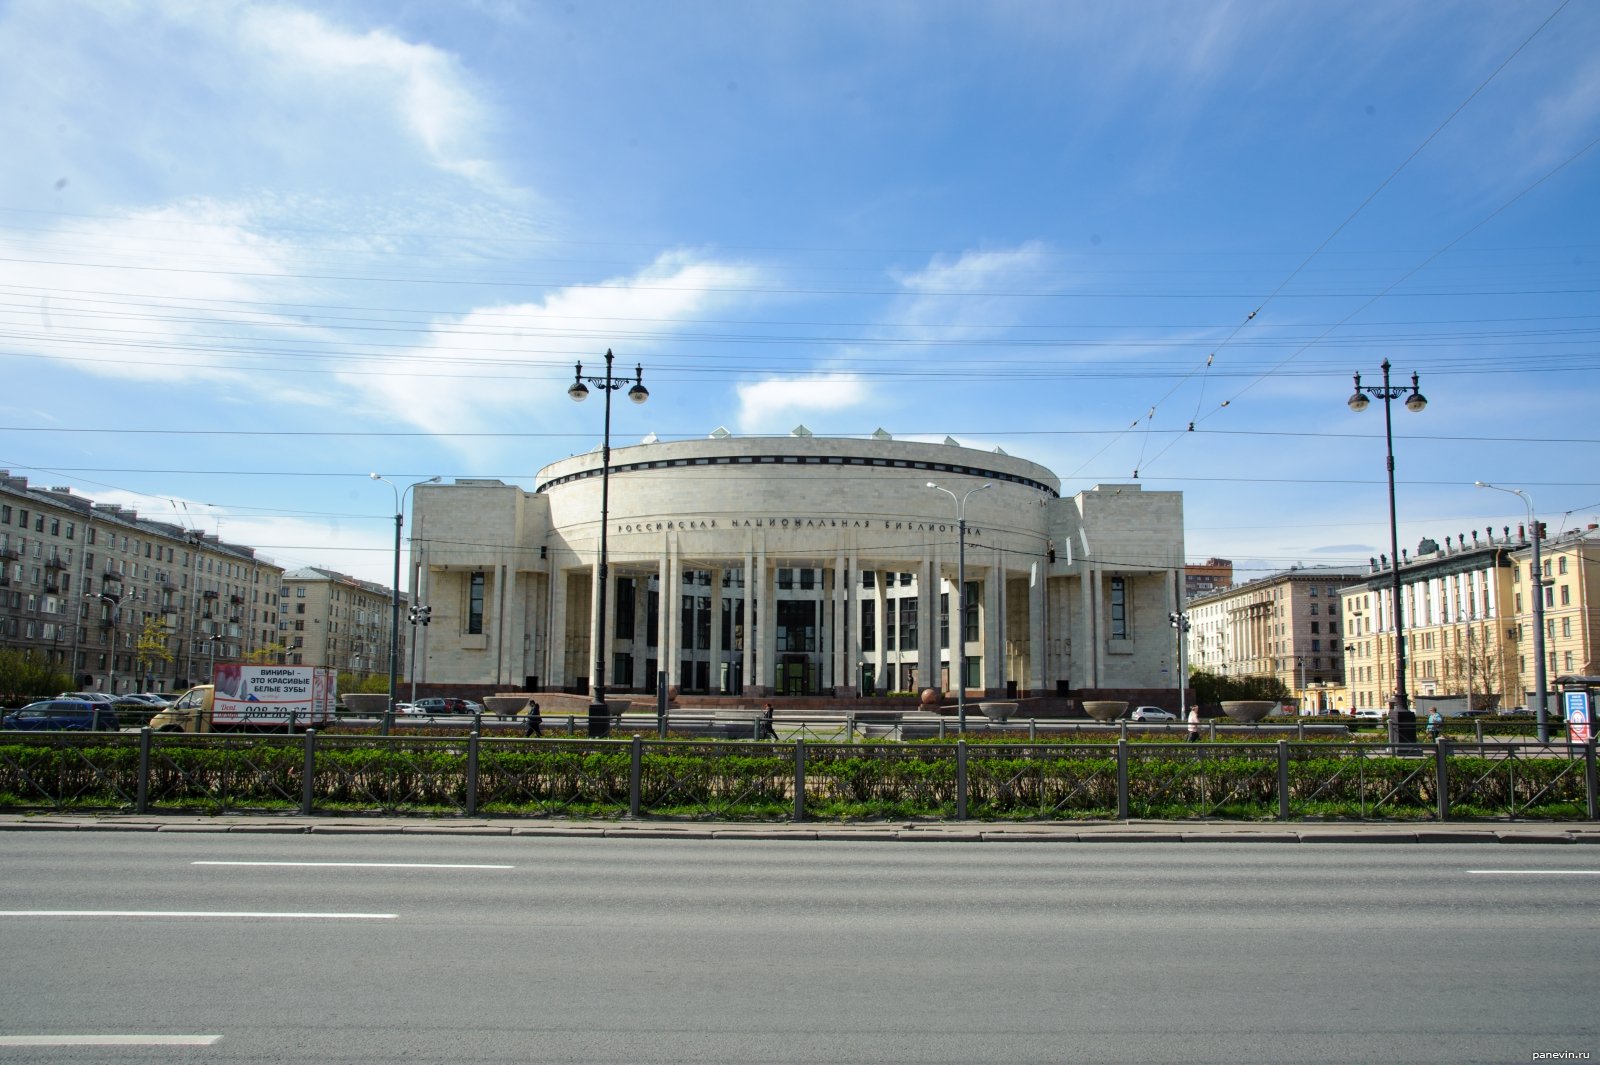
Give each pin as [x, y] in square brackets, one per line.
[1464, 639]
[1285, 625]
[1208, 576]
[123, 603]
[1572, 584]
[326, 618]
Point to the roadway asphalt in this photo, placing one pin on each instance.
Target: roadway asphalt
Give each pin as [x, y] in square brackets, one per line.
[282, 949]
[902, 831]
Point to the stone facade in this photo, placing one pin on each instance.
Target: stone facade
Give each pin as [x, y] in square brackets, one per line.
[798, 566]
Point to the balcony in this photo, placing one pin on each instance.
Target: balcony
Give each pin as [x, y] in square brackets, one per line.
[9, 553]
[236, 599]
[209, 593]
[55, 562]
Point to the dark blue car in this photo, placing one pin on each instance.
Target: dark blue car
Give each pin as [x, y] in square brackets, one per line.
[58, 715]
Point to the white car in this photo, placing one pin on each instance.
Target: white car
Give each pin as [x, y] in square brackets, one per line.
[1151, 713]
[1370, 713]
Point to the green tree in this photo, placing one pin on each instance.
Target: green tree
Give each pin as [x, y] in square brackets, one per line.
[270, 655]
[25, 676]
[1211, 689]
[151, 651]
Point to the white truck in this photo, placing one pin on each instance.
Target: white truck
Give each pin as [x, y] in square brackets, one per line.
[254, 698]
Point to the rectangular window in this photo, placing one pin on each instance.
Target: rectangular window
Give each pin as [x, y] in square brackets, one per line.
[652, 621]
[869, 625]
[889, 610]
[969, 624]
[1566, 596]
[702, 624]
[1119, 608]
[944, 621]
[623, 629]
[474, 604]
[869, 578]
[786, 579]
[1566, 627]
[808, 579]
[908, 624]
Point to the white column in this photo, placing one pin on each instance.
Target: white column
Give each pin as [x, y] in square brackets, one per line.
[844, 626]
[674, 608]
[1037, 678]
[927, 621]
[664, 611]
[993, 650]
[762, 677]
[556, 640]
[748, 673]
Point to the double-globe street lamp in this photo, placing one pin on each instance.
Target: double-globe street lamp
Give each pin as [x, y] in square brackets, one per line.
[599, 716]
[394, 614]
[1540, 681]
[959, 645]
[1414, 402]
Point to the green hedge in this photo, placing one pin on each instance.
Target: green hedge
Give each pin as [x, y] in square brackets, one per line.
[755, 781]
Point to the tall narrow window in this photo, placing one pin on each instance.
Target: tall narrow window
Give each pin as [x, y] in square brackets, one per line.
[474, 604]
[1119, 609]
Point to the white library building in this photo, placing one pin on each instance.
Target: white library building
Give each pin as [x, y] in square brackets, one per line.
[797, 566]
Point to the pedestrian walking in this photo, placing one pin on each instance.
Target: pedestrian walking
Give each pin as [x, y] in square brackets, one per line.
[1435, 723]
[534, 726]
[766, 723]
[1194, 724]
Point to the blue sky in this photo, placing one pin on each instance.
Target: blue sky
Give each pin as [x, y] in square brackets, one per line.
[1070, 230]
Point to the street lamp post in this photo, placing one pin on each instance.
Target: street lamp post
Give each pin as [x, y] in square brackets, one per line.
[959, 644]
[110, 602]
[1540, 680]
[212, 640]
[1180, 623]
[394, 602]
[599, 716]
[420, 615]
[1414, 402]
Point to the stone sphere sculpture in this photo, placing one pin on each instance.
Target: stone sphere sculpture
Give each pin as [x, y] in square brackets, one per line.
[930, 697]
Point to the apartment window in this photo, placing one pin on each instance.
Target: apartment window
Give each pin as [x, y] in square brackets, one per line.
[1315, 627]
[1313, 606]
[1566, 628]
[475, 604]
[300, 592]
[1566, 596]
[1561, 566]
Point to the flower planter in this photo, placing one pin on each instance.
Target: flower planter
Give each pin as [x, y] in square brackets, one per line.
[1245, 711]
[1105, 709]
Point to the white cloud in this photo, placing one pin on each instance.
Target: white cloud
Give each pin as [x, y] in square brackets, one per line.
[494, 363]
[765, 405]
[422, 84]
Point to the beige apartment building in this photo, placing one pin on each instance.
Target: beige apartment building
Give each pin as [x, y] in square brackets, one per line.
[123, 603]
[1465, 639]
[1571, 564]
[1285, 625]
[327, 618]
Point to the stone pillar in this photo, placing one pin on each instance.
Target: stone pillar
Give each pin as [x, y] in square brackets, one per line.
[927, 621]
[994, 648]
[716, 630]
[1038, 604]
[762, 677]
[845, 635]
[672, 655]
[748, 673]
[556, 639]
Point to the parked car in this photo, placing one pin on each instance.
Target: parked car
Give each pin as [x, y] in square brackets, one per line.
[161, 699]
[447, 706]
[1151, 713]
[89, 697]
[406, 708]
[63, 715]
[1370, 713]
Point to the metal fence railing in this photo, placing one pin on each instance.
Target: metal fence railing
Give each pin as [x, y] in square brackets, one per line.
[793, 779]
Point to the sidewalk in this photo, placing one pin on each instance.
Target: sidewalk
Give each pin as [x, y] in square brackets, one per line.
[899, 831]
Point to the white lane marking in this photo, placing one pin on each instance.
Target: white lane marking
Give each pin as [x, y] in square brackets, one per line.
[1534, 872]
[361, 865]
[108, 1040]
[200, 913]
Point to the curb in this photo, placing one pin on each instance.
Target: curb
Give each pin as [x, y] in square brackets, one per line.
[934, 832]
